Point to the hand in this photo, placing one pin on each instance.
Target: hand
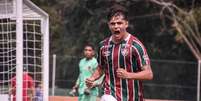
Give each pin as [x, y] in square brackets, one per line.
[75, 86]
[72, 92]
[90, 82]
[122, 73]
[96, 85]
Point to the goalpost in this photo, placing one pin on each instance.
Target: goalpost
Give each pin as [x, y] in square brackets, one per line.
[24, 47]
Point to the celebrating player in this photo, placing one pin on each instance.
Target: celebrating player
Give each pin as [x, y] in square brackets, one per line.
[123, 59]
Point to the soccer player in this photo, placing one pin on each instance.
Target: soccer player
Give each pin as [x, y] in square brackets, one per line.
[123, 59]
[87, 66]
[28, 86]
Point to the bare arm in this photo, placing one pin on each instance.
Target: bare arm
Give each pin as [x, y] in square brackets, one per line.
[96, 75]
[145, 74]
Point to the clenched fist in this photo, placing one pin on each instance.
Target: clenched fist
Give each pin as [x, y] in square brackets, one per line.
[90, 82]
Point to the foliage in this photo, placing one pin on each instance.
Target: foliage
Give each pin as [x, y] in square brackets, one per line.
[185, 23]
[76, 22]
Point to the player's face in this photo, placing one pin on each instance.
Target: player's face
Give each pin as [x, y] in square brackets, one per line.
[88, 52]
[118, 26]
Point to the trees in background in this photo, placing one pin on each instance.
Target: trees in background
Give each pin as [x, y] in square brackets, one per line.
[186, 21]
[76, 22]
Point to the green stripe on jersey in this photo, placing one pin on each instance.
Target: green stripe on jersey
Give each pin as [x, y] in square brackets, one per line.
[111, 71]
[136, 90]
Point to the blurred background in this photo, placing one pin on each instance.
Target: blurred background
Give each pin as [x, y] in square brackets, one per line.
[76, 22]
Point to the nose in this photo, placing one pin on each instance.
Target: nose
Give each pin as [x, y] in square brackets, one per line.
[116, 26]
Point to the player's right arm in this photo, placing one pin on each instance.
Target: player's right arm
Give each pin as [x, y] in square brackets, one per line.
[96, 75]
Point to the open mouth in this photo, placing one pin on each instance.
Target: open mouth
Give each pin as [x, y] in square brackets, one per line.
[116, 32]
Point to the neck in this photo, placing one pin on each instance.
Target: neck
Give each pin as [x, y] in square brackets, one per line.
[118, 41]
[87, 58]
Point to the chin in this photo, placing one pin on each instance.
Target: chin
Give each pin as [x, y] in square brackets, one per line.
[117, 37]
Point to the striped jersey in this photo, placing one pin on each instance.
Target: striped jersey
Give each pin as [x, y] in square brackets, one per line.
[130, 55]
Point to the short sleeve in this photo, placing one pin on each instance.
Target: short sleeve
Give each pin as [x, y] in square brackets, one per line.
[140, 54]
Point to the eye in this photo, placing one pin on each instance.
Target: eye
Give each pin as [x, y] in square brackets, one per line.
[112, 23]
[119, 23]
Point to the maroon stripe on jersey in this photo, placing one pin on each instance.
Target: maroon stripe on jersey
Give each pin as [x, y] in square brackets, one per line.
[107, 76]
[128, 61]
[115, 63]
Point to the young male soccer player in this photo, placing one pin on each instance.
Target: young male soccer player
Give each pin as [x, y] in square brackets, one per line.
[87, 66]
[123, 59]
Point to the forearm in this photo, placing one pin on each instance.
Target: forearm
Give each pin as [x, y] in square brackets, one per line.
[145, 74]
[97, 74]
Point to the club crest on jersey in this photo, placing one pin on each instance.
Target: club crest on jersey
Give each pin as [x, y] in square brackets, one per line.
[124, 51]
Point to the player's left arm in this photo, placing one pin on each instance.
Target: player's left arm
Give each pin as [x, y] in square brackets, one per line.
[145, 74]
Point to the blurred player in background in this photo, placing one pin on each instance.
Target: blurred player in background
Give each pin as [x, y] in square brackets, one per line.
[28, 86]
[123, 59]
[87, 66]
[39, 92]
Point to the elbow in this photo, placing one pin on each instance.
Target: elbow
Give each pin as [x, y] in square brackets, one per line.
[150, 75]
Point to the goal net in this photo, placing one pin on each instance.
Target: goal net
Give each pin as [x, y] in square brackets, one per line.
[29, 76]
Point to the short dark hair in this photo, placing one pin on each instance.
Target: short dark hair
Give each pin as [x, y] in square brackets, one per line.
[116, 10]
[90, 45]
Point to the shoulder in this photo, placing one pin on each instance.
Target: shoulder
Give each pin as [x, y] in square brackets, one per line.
[82, 60]
[27, 76]
[106, 40]
[94, 62]
[94, 59]
[136, 42]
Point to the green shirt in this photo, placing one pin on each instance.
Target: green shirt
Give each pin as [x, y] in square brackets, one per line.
[86, 68]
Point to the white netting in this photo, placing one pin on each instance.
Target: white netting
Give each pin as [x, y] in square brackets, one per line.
[6, 8]
[33, 50]
[7, 53]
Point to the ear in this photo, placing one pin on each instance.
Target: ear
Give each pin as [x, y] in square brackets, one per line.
[93, 53]
[126, 24]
